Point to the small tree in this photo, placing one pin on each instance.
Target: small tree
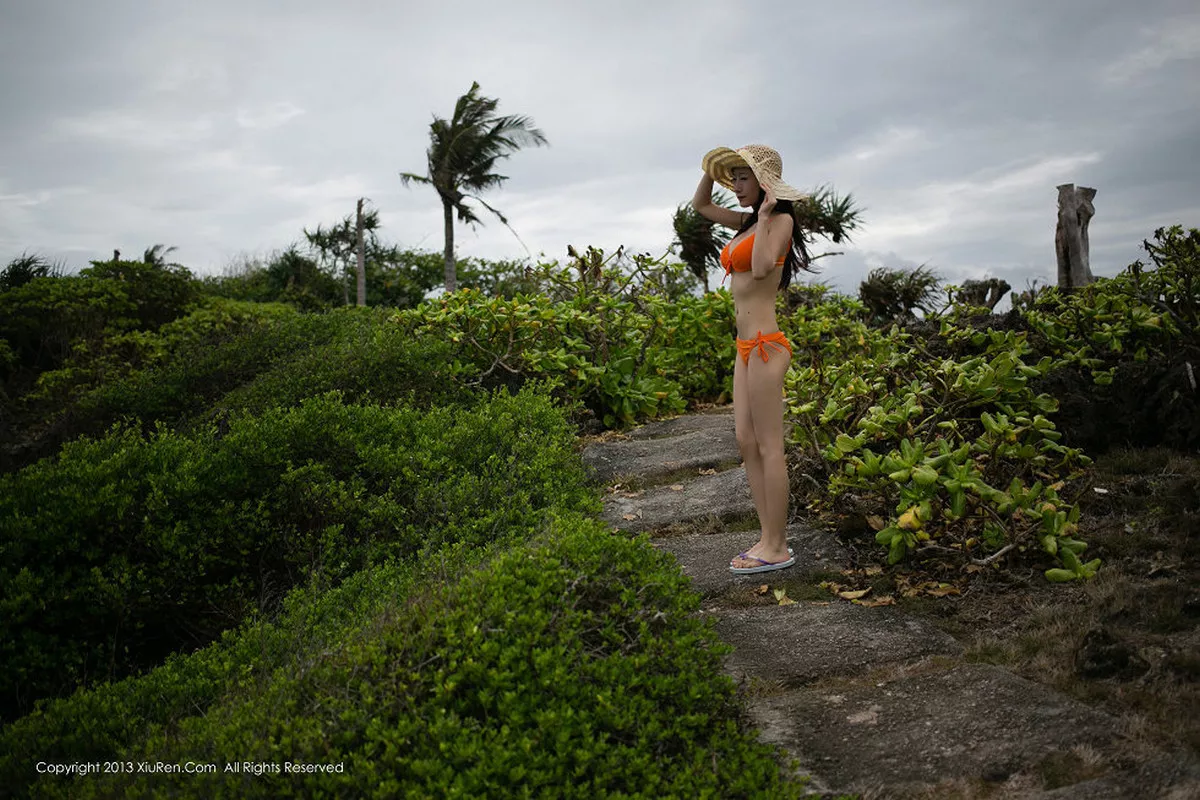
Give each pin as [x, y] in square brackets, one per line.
[25, 267]
[699, 240]
[462, 153]
[893, 294]
[983, 293]
[156, 256]
[337, 245]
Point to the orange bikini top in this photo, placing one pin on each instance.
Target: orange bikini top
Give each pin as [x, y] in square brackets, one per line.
[738, 259]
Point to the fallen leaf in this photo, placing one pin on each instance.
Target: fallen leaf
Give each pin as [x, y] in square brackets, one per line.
[784, 600]
[708, 472]
[762, 589]
[880, 601]
[942, 590]
[854, 595]
[677, 487]
[629, 516]
[873, 571]
[1098, 490]
[876, 523]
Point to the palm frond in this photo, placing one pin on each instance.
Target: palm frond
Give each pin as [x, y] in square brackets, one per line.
[408, 177]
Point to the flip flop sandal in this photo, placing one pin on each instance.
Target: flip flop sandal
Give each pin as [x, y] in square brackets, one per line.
[767, 566]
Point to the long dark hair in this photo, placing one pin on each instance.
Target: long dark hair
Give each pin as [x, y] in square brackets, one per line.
[797, 255]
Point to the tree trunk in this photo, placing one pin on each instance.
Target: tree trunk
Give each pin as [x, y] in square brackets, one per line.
[448, 215]
[362, 266]
[1075, 210]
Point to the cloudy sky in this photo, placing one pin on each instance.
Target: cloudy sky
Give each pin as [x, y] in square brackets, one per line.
[224, 128]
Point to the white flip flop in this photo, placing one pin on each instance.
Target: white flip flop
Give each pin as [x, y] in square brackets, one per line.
[767, 566]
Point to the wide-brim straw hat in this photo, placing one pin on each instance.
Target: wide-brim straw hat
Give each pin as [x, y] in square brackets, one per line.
[764, 161]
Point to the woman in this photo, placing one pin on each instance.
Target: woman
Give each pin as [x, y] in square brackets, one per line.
[760, 258]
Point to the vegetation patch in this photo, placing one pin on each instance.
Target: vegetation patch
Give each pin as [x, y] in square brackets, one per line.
[574, 664]
[129, 547]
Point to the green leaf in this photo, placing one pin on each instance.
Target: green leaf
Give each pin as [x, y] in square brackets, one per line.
[1060, 575]
[924, 476]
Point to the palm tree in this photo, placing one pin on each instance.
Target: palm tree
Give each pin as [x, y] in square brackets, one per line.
[25, 267]
[822, 214]
[699, 240]
[338, 244]
[891, 295]
[462, 152]
[156, 256]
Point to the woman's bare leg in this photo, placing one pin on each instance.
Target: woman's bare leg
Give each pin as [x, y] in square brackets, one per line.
[747, 441]
[763, 385]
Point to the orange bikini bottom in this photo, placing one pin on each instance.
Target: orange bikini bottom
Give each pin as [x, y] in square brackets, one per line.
[777, 340]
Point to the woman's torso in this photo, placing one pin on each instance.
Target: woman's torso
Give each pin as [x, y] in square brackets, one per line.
[753, 300]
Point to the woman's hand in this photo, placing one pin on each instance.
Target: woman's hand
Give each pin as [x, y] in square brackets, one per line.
[768, 204]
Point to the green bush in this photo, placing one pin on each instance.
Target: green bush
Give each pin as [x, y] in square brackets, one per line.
[574, 666]
[1130, 350]
[939, 438]
[129, 547]
[364, 356]
[228, 356]
[48, 320]
[99, 724]
[627, 350]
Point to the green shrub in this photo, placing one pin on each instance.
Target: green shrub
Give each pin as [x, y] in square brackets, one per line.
[98, 724]
[364, 356]
[130, 547]
[627, 350]
[570, 667]
[1130, 350]
[938, 437]
[229, 356]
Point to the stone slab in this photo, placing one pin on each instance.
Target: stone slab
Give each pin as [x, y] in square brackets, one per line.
[972, 721]
[804, 642]
[705, 557]
[1171, 776]
[650, 458]
[725, 495]
[690, 423]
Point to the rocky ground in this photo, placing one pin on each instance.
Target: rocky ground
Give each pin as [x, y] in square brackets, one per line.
[1012, 689]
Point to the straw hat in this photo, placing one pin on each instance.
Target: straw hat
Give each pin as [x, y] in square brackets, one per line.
[765, 162]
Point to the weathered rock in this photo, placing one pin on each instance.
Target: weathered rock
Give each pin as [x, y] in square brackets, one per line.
[1102, 655]
[690, 423]
[705, 557]
[725, 495]
[1169, 776]
[650, 458]
[973, 721]
[796, 644]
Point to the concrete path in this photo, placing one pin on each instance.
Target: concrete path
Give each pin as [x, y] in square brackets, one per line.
[867, 700]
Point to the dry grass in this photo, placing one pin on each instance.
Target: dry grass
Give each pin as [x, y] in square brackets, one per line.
[1143, 607]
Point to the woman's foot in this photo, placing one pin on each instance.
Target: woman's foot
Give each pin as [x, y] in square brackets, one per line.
[761, 559]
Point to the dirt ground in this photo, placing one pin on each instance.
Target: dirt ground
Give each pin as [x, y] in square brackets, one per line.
[1126, 642]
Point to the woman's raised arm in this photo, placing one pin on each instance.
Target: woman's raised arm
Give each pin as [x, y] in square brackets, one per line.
[705, 207]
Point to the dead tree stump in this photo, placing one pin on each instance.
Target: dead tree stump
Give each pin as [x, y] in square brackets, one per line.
[1075, 209]
[983, 293]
